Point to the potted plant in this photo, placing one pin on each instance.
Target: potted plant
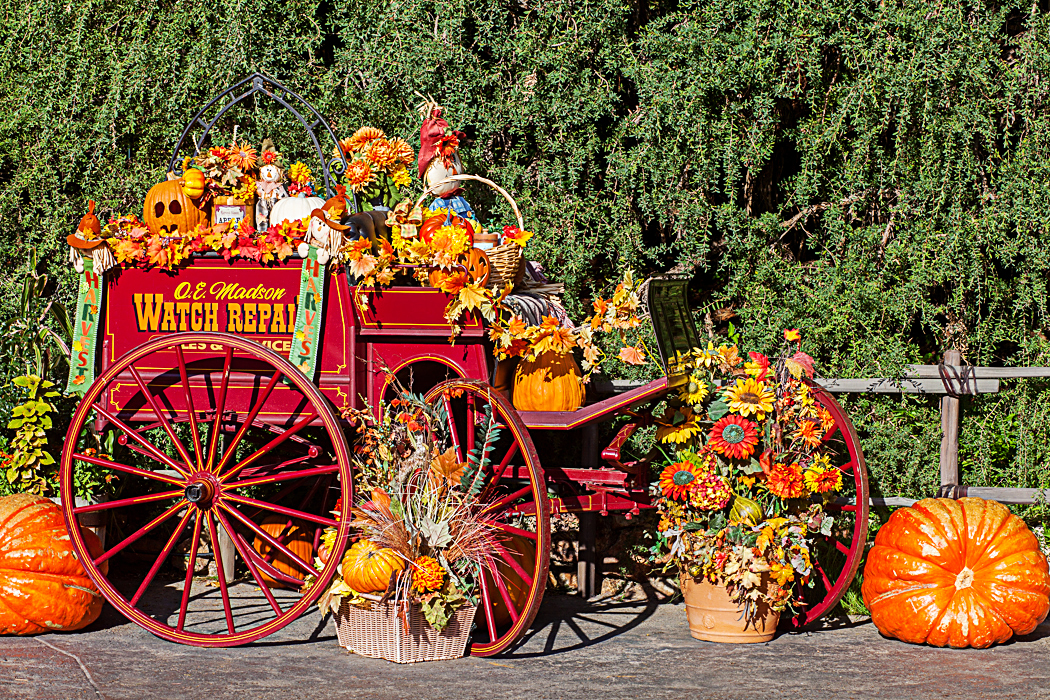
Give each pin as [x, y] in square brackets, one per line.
[743, 487]
[409, 584]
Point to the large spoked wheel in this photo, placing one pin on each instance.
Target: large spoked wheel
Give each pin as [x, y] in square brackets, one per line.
[836, 557]
[514, 497]
[238, 446]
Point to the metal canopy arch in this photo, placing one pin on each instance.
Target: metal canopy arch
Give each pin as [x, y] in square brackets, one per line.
[260, 82]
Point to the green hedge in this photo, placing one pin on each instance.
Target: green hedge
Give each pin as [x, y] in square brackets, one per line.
[874, 173]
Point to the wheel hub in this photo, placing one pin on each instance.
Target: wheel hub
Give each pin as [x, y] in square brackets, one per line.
[201, 490]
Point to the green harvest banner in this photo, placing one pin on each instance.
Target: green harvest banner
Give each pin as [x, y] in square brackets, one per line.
[85, 329]
[307, 333]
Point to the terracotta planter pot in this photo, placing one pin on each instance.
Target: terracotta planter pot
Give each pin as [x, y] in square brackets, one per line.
[714, 617]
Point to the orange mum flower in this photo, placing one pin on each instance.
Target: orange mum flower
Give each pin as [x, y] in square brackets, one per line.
[242, 157]
[361, 138]
[807, 433]
[402, 151]
[382, 154]
[427, 575]
[786, 481]
[358, 174]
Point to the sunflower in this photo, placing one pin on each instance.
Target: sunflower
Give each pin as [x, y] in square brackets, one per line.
[786, 481]
[242, 157]
[693, 391]
[677, 425]
[749, 397]
[676, 480]
[823, 479]
[359, 174]
[427, 575]
[734, 437]
[361, 139]
[807, 433]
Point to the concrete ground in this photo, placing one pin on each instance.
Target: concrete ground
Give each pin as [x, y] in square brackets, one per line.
[576, 649]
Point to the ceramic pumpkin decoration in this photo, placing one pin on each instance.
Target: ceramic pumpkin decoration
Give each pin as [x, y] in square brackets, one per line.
[192, 183]
[298, 208]
[169, 212]
[298, 536]
[964, 573]
[43, 588]
[367, 569]
[551, 382]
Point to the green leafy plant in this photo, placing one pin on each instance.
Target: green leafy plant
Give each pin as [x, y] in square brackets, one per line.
[30, 459]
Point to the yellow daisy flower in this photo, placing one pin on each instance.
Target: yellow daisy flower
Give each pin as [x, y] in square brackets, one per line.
[749, 397]
[693, 391]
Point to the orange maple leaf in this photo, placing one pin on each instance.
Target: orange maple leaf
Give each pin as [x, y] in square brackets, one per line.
[632, 355]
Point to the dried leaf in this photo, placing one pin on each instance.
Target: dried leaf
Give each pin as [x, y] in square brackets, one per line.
[445, 469]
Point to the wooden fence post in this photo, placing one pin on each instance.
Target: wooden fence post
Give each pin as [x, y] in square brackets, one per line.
[950, 430]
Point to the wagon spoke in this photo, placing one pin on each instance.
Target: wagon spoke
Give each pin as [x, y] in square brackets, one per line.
[503, 593]
[162, 558]
[191, 567]
[452, 426]
[498, 473]
[513, 563]
[222, 574]
[220, 407]
[141, 531]
[824, 576]
[507, 500]
[271, 445]
[486, 601]
[470, 424]
[241, 546]
[282, 476]
[194, 431]
[108, 505]
[150, 448]
[510, 530]
[161, 418]
[127, 469]
[232, 448]
[269, 539]
[290, 512]
[841, 547]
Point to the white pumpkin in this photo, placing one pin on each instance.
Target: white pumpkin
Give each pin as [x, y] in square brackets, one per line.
[294, 209]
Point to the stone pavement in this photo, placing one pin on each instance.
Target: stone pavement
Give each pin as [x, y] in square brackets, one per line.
[577, 649]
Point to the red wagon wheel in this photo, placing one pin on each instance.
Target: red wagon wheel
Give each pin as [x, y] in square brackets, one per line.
[212, 447]
[837, 556]
[514, 496]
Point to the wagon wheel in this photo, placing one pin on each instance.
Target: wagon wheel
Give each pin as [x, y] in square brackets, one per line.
[211, 449]
[515, 497]
[836, 557]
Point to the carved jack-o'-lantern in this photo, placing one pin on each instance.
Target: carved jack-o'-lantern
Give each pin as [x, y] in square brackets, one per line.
[169, 211]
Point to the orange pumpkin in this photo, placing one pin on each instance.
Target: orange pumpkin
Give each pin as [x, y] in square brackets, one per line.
[524, 553]
[551, 382]
[192, 183]
[426, 231]
[296, 535]
[367, 568]
[169, 211]
[964, 573]
[43, 587]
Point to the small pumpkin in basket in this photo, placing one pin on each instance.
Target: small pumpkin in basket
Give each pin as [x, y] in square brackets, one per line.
[367, 569]
[43, 588]
[551, 382]
[964, 573]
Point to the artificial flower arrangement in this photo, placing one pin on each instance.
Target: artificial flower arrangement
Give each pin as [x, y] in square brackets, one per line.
[377, 167]
[422, 537]
[747, 473]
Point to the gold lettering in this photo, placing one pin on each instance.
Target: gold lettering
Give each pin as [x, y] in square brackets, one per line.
[198, 293]
[147, 310]
[278, 325]
[264, 317]
[211, 317]
[218, 289]
[233, 319]
[183, 310]
[183, 291]
[240, 293]
[249, 318]
[168, 324]
[196, 316]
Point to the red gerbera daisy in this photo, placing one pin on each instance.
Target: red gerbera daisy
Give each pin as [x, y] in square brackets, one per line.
[734, 436]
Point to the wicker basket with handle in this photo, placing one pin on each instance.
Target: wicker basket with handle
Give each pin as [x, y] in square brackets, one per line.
[379, 632]
[507, 261]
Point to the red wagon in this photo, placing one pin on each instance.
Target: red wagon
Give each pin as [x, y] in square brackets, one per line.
[222, 435]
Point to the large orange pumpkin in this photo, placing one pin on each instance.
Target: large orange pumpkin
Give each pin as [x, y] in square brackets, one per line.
[296, 535]
[43, 588]
[367, 568]
[169, 212]
[964, 573]
[551, 382]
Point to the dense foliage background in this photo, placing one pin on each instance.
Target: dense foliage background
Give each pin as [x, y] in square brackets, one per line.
[875, 173]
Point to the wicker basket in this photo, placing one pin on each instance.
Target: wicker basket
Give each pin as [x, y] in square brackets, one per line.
[507, 261]
[380, 633]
